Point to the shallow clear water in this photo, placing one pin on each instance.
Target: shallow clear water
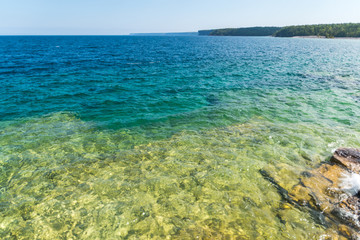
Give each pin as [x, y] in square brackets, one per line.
[164, 137]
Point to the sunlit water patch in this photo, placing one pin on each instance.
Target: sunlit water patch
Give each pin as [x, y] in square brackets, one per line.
[64, 179]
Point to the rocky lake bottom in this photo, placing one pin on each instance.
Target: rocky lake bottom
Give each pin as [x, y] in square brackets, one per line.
[177, 137]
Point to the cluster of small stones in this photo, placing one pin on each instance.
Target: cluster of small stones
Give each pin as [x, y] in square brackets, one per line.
[319, 191]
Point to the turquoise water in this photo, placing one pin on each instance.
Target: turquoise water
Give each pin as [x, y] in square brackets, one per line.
[164, 137]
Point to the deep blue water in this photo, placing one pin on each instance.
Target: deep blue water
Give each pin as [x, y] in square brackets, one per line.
[135, 81]
[164, 136]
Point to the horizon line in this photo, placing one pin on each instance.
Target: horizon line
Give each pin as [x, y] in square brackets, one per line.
[196, 31]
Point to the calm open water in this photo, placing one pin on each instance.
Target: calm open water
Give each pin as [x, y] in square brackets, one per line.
[163, 137]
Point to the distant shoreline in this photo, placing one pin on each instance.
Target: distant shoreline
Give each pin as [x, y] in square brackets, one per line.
[339, 30]
[308, 37]
[323, 37]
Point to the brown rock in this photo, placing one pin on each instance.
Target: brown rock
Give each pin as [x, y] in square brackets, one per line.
[345, 231]
[349, 211]
[347, 157]
[320, 190]
[316, 189]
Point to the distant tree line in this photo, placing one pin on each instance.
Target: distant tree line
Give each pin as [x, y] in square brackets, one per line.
[251, 31]
[325, 30]
[205, 32]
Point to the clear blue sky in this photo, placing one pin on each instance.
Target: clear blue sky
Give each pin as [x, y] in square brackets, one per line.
[128, 16]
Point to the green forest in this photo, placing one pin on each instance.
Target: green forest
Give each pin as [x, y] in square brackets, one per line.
[325, 30]
[320, 30]
[251, 31]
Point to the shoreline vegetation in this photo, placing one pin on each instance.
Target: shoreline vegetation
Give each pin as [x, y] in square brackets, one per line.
[251, 31]
[342, 30]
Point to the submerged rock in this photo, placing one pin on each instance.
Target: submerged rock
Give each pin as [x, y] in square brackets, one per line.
[330, 192]
[348, 210]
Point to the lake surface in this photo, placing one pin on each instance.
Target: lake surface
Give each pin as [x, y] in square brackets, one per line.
[129, 137]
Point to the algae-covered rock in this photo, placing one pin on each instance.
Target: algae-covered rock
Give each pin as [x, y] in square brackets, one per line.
[321, 191]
